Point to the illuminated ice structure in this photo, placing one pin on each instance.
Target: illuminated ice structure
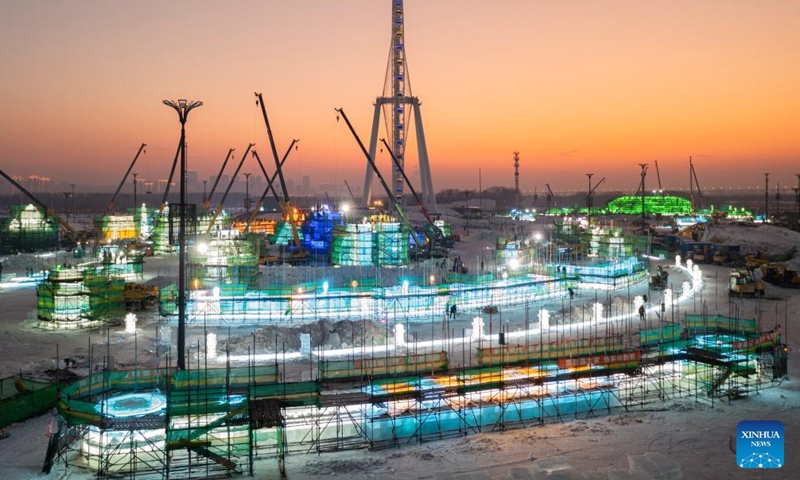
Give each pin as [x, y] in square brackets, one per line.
[132, 449]
[235, 303]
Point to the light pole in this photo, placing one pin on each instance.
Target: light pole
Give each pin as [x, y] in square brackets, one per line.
[247, 192]
[182, 107]
[766, 197]
[134, 189]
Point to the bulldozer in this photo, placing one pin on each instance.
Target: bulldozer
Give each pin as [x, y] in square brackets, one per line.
[139, 296]
[744, 282]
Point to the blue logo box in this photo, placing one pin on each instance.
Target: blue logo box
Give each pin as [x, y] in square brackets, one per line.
[759, 444]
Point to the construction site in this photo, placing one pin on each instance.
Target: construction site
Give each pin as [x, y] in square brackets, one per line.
[231, 339]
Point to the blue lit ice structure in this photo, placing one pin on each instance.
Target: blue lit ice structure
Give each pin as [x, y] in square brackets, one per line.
[135, 404]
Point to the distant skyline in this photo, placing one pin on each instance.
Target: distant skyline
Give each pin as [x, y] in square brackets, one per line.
[575, 87]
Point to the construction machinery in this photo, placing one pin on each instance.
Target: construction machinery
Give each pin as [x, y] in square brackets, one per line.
[419, 244]
[139, 296]
[439, 244]
[746, 283]
[780, 275]
[660, 280]
[298, 254]
[70, 236]
[124, 178]
[207, 200]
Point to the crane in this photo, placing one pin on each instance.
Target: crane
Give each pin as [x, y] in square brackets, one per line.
[286, 204]
[658, 176]
[388, 190]
[207, 200]
[218, 210]
[551, 197]
[352, 197]
[169, 182]
[270, 186]
[125, 177]
[434, 233]
[68, 230]
[693, 182]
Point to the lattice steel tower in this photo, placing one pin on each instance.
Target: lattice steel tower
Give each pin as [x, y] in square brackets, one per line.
[396, 103]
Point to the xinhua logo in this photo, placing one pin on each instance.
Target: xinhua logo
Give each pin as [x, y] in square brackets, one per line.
[759, 444]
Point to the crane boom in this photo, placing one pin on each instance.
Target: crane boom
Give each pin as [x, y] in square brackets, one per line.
[218, 210]
[207, 200]
[388, 190]
[45, 209]
[125, 177]
[169, 182]
[658, 176]
[269, 188]
[436, 231]
[286, 205]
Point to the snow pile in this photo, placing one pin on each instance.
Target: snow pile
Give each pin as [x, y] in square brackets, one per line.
[756, 239]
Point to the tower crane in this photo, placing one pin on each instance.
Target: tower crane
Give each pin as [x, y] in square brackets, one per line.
[286, 204]
[124, 178]
[389, 193]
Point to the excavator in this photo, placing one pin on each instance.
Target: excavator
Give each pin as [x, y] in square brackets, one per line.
[298, 254]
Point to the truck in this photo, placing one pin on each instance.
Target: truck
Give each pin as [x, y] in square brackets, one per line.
[744, 282]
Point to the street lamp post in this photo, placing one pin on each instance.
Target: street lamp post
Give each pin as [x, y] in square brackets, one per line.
[766, 197]
[182, 107]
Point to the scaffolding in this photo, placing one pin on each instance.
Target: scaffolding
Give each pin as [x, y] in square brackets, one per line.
[73, 298]
[225, 261]
[28, 229]
[377, 241]
[208, 422]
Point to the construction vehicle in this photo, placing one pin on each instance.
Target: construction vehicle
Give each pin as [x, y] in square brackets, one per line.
[139, 296]
[746, 283]
[298, 254]
[660, 280]
[780, 275]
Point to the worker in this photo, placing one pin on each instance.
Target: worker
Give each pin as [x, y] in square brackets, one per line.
[571, 293]
[641, 312]
[453, 311]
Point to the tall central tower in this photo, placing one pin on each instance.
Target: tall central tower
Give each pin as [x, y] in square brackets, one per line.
[396, 103]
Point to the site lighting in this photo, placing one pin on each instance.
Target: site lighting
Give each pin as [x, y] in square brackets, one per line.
[182, 107]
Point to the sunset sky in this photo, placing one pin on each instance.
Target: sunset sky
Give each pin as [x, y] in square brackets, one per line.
[575, 86]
